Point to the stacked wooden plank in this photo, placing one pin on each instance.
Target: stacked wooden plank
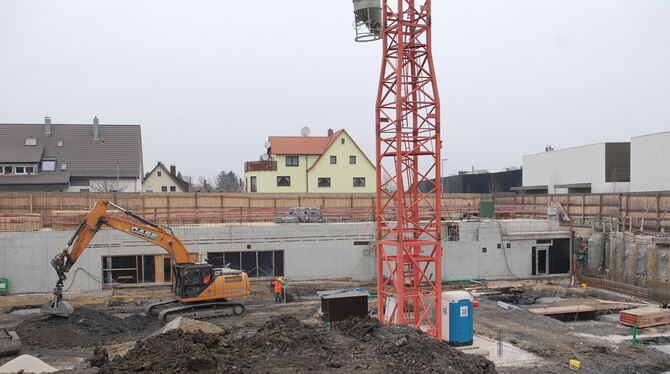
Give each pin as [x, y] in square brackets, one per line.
[645, 317]
[569, 309]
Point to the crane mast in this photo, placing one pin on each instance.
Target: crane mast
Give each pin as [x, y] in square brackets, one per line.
[408, 147]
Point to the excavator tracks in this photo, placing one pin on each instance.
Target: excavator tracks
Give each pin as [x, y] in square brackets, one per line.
[200, 311]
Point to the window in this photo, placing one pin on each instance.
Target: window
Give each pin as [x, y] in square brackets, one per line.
[292, 160]
[359, 182]
[60, 143]
[352, 160]
[63, 166]
[254, 263]
[19, 170]
[333, 160]
[254, 188]
[163, 188]
[173, 189]
[324, 182]
[81, 182]
[31, 141]
[160, 174]
[342, 141]
[48, 165]
[149, 189]
[30, 170]
[283, 181]
[128, 269]
[7, 170]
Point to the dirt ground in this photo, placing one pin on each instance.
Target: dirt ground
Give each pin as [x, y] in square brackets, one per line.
[288, 338]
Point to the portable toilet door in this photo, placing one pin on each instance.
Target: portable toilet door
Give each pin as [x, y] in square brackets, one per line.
[458, 318]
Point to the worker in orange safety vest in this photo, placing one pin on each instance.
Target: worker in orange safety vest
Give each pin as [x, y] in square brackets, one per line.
[278, 288]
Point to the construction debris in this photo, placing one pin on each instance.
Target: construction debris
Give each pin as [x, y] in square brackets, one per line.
[85, 328]
[189, 325]
[284, 345]
[27, 364]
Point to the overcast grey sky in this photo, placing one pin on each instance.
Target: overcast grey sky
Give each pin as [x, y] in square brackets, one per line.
[210, 80]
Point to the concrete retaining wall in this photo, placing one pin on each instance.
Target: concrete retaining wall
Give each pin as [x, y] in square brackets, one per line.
[311, 251]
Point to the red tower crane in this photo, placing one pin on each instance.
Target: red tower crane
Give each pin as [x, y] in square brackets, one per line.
[408, 209]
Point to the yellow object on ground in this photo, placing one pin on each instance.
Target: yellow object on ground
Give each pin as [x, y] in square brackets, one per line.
[574, 364]
[583, 285]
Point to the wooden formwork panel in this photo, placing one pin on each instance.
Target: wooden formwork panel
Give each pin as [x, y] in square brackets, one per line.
[208, 201]
[235, 202]
[608, 211]
[363, 203]
[285, 203]
[24, 222]
[592, 211]
[178, 202]
[575, 210]
[592, 199]
[575, 199]
[641, 203]
[312, 202]
[337, 203]
[155, 201]
[611, 199]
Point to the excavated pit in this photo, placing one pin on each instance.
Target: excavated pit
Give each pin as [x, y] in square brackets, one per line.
[286, 345]
[85, 328]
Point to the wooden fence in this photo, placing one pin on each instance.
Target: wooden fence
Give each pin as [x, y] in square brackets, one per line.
[30, 211]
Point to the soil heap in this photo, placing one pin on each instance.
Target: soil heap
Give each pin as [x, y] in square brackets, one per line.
[286, 345]
[85, 328]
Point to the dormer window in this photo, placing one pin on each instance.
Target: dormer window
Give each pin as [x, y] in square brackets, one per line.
[48, 165]
[31, 141]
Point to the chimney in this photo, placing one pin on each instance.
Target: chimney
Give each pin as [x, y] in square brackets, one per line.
[47, 125]
[330, 132]
[96, 128]
[173, 170]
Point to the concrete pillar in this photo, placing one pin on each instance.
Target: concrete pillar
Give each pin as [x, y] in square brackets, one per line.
[620, 258]
[611, 258]
[652, 262]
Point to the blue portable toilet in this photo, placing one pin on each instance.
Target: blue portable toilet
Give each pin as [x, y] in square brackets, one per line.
[457, 318]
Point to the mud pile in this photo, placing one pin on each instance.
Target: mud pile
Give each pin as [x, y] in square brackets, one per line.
[403, 349]
[286, 345]
[85, 328]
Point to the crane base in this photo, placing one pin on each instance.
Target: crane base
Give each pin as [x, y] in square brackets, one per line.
[57, 308]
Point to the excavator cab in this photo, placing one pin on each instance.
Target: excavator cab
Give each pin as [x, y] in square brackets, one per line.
[192, 279]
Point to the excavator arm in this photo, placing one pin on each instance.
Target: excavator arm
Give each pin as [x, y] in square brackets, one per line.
[130, 224]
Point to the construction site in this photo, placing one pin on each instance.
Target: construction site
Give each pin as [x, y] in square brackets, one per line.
[368, 267]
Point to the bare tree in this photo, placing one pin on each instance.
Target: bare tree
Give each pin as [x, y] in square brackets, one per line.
[107, 185]
[495, 185]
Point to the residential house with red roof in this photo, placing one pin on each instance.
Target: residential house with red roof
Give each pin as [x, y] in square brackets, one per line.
[311, 164]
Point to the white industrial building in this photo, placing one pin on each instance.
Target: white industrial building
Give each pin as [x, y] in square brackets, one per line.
[594, 168]
[650, 162]
[641, 165]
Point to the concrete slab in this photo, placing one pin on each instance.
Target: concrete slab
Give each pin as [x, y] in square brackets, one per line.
[511, 355]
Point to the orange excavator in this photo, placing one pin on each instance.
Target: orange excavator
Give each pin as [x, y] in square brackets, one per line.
[201, 289]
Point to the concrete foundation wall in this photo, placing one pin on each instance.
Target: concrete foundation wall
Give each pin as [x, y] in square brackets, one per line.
[311, 251]
[636, 259]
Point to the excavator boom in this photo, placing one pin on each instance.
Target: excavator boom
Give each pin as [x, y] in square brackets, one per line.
[195, 282]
